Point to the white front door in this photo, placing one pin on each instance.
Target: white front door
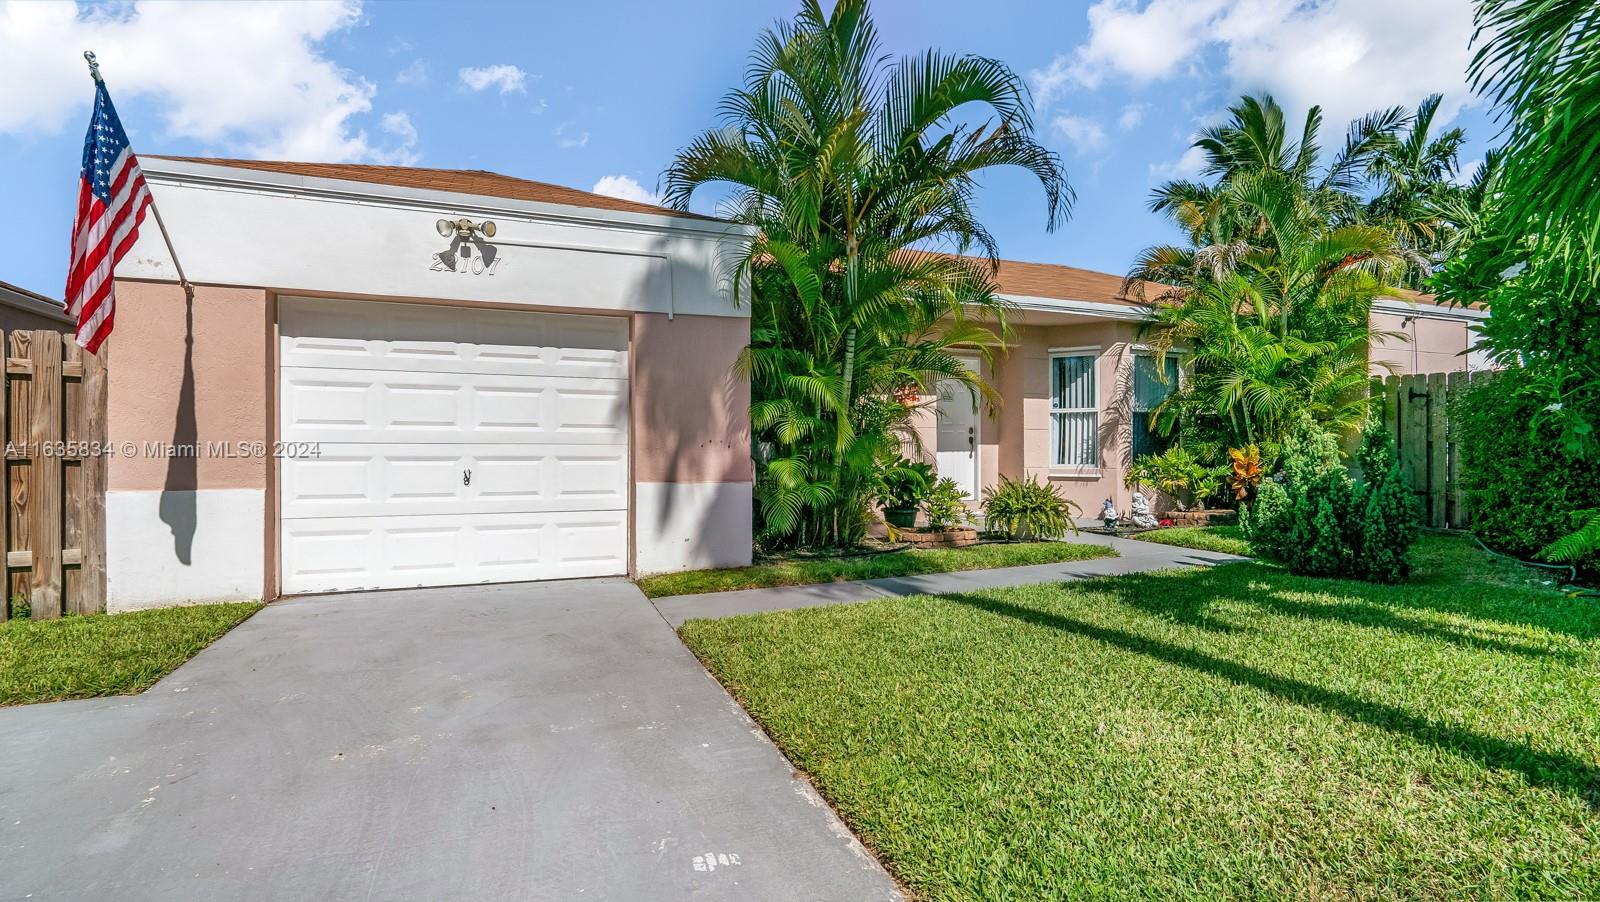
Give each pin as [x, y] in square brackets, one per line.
[432, 446]
[957, 451]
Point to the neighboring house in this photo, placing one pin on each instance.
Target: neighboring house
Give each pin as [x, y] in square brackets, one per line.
[24, 309]
[364, 394]
[1434, 338]
[1076, 385]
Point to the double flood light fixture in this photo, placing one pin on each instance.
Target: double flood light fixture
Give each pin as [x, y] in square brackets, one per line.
[464, 228]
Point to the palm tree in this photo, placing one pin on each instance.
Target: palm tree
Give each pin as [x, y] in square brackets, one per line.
[1273, 292]
[860, 177]
[1255, 145]
[1414, 173]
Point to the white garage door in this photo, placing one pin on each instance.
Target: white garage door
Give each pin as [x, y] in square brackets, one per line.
[445, 446]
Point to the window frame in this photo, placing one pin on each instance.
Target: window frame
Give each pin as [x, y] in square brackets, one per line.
[1179, 359]
[1093, 354]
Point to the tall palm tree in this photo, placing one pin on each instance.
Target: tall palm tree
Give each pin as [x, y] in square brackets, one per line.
[1255, 144]
[1274, 289]
[1414, 172]
[860, 176]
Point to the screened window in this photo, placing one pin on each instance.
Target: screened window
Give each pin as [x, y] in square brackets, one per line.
[1150, 388]
[1074, 411]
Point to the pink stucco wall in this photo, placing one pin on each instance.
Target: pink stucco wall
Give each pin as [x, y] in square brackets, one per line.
[1434, 346]
[1014, 434]
[1027, 413]
[222, 393]
[690, 411]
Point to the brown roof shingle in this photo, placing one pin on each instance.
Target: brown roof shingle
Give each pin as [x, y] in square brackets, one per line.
[1052, 280]
[459, 181]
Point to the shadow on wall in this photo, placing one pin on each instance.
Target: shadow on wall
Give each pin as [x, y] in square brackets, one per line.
[177, 507]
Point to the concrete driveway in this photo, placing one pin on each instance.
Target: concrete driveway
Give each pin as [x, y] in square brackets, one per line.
[532, 741]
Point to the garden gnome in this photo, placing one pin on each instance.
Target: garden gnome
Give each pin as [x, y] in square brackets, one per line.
[1140, 511]
[1110, 515]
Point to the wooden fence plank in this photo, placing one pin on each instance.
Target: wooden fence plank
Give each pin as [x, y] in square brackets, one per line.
[1437, 451]
[44, 475]
[1391, 405]
[1455, 386]
[5, 516]
[71, 474]
[92, 568]
[19, 405]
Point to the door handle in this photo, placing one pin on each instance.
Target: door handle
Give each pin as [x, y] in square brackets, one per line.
[466, 477]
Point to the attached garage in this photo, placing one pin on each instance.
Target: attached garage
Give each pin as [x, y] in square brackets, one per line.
[571, 411]
[430, 446]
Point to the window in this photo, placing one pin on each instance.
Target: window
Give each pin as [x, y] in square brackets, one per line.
[1074, 411]
[1149, 390]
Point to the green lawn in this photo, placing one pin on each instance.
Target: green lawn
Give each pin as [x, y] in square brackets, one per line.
[105, 654]
[805, 572]
[1226, 733]
[1221, 539]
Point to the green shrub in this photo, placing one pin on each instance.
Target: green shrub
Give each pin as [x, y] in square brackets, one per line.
[1258, 520]
[903, 483]
[1307, 452]
[1389, 525]
[1521, 481]
[1316, 521]
[946, 505]
[1178, 474]
[1027, 509]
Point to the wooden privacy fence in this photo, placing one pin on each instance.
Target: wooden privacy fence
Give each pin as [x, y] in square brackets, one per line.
[54, 528]
[1416, 412]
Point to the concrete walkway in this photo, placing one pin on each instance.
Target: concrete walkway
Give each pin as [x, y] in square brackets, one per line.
[1136, 556]
[518, 742]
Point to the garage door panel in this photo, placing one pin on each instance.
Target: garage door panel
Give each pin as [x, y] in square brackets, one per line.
[452, 446]
[322, 405]
[375, 479]
[399, 552]
[379, 335]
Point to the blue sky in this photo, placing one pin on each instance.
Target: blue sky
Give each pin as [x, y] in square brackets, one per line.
[603, 93]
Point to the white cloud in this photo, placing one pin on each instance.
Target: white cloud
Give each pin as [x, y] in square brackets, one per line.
[570, 140]
[506, 77]
[404, 152]
[626, 188]
[414, 74]
[1139, 44]
[1185, 167]
[1087, 135]
[1350, 56]
[1132, 115]
[248, 78]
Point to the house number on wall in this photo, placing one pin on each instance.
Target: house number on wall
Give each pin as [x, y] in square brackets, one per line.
[476, 264]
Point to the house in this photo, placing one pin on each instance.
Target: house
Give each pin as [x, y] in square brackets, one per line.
[24, 309]
[1076, 385]
[393, 377]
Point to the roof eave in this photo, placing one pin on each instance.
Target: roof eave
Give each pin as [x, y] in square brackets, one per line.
[185, 172]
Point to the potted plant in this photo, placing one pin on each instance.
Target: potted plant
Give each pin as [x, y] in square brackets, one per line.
[1025, 510]
[902, 487]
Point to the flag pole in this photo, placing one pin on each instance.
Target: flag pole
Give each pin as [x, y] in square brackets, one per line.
[183, 280]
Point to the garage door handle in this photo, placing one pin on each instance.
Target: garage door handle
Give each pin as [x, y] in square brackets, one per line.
[466, 477]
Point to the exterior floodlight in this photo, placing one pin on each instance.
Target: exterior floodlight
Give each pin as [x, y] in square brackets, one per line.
[464, 228]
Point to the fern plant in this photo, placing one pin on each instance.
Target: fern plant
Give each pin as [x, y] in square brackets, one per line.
[1581, 543]
[1028, 509]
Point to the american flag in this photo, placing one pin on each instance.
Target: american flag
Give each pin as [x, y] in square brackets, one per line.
[112, 199]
